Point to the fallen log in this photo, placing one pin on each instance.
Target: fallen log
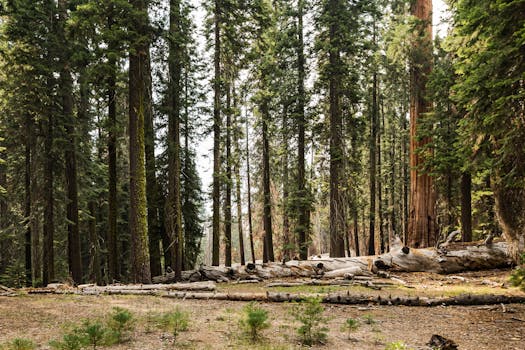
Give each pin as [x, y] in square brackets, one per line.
[351, 299]
[454, 258]
[131, 289]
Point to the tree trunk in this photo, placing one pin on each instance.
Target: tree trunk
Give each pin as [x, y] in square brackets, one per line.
[373, 164]
[112, 238]
[138, 224]
[48, 259]
[228, 182]
[27, 204]
[216, 137]
[94, 251]
[510, 209]
[303, 223]
[249, 190]
[237, 174]
[287, 252]
[66, 82]
[422, 230]
[337, 211]
[267, 210]
[466, 207]
[4, 260]
[152, 187]
[173, 205]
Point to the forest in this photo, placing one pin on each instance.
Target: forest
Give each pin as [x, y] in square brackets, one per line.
[335, 126]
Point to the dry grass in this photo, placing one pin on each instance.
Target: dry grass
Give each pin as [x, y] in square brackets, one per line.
[214, 324]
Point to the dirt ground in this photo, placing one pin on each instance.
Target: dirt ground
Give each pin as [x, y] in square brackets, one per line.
[215, 324]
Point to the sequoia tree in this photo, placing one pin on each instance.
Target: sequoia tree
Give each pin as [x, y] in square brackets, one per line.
[422, 230]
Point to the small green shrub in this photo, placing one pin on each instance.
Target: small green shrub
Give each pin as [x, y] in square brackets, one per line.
[175, 322]
[70, 341]
[21, 344]
[93, 333]
[517, 278]
[120, 324]
[256, 319]
[350, 325]
[398, 345]
[369, 319]
[310, 314]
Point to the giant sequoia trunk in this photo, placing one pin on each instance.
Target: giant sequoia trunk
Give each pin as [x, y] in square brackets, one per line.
[138, 224]
[422, 230]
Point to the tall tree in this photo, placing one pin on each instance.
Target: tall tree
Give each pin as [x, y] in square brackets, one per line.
[422, 230]
[69, 120]
[489, 43]
[228, 178]
[216, 133]
[335, 66]
[112, 237]
[303, 223]
[138, 56]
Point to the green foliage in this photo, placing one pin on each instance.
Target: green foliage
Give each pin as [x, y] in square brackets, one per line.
[369, 319]
[174, 322]
[256, 319]
[517, 278]
[350, 325]
[92, 333]
[313, 328]
[21, 344]
[398, 345]
[120, 324]
[70, 341]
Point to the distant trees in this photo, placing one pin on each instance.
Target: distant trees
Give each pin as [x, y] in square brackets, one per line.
[103, 106]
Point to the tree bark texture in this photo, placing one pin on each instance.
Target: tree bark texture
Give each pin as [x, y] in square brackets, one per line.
[216, 136]
[267, 203]
[249, 190]
[466, 207]
[27, 204]
[152, 187]
[303, 224]
[422, 229]
[228, 181]
[138, 221]
[337, 210]
[112, 237]
[66, 82]
[237, 174]
[173, 205]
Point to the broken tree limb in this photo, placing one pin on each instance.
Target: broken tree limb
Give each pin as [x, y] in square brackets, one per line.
[454, 258]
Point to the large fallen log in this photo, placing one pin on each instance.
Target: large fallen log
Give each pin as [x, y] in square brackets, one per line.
[351, 299]
[127, 289]
[453, 258]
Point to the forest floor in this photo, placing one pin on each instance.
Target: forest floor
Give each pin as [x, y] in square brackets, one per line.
[215, 324]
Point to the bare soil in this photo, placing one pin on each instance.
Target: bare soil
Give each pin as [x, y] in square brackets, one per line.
[215, 324]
